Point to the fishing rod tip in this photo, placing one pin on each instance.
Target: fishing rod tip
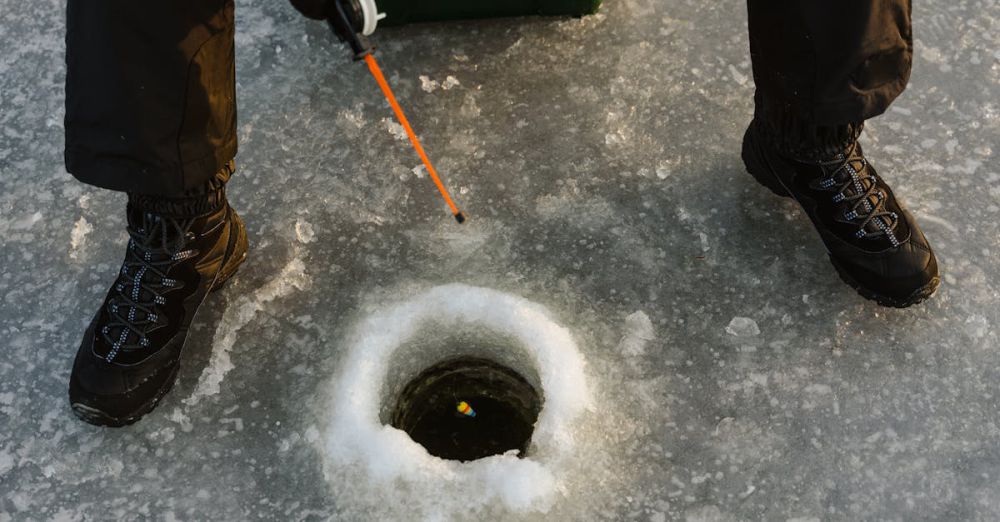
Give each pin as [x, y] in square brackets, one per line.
[460, 217]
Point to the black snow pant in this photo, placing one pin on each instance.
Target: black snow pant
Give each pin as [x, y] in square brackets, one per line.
[150, 94]
[822, 67]
[150, 86]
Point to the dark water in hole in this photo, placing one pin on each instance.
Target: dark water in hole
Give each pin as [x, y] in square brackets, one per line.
[506, 407]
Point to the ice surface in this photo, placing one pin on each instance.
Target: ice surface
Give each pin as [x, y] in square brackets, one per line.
[598, 160]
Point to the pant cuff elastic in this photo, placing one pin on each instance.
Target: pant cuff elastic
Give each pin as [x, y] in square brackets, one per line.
[798, 137]
[198, 201]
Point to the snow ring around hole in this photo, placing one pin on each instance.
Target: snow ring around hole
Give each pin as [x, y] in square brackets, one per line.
[356, 436]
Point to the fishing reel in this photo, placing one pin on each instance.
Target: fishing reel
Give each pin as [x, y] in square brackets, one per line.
[352, 21]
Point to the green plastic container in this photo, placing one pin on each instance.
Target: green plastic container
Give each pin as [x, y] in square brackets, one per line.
[399, 12]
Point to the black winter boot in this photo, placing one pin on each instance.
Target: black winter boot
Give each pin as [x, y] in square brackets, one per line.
[875, 244]
[131, 352]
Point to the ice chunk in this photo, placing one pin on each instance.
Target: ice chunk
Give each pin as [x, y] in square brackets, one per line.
[743, 327]
[450, 82]
[738, 77]
[395, 128]
[638, 332]
[6, 462]
[77, 236]
[304, 232]
[427, 84]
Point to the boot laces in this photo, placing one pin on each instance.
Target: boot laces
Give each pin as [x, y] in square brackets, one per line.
[140, 292]
[863, 200]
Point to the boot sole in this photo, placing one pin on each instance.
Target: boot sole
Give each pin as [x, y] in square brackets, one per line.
[918, 296]
[97, 417]
[757, 168]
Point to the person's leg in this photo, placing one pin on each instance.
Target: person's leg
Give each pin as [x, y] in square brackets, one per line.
[821, 69]
[150, 110]
[150, 93]
[828, 64]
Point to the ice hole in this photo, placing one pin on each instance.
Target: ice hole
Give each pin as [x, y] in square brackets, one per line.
[393, 355]
[466, 408]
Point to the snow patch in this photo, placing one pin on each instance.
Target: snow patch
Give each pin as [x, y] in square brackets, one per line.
[292, 277]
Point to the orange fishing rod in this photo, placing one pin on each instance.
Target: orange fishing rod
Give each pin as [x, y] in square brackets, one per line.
[350, 21]
[377, 73]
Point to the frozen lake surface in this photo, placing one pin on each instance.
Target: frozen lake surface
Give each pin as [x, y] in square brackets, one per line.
[733, 375]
